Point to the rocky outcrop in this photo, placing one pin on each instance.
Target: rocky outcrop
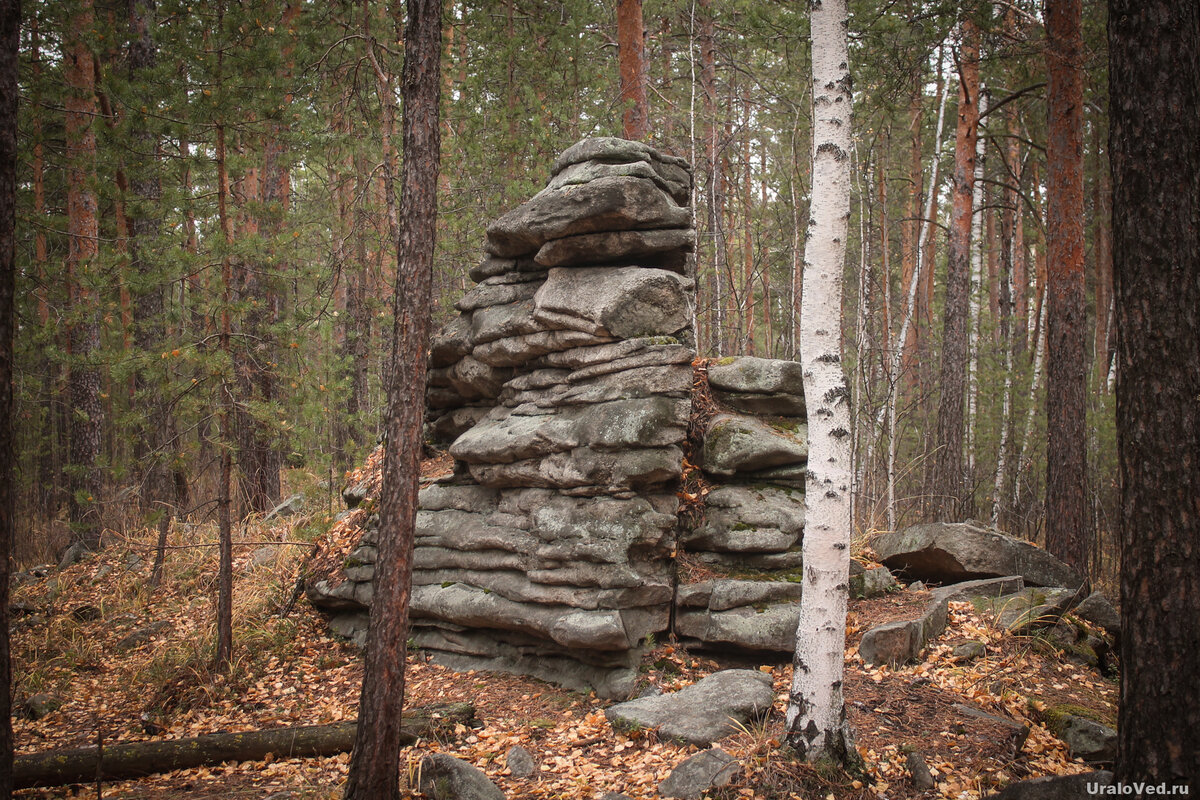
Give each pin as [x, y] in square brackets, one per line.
[948, 553]
[562, 390]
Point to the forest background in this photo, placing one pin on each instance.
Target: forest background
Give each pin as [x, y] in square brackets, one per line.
[206, 220]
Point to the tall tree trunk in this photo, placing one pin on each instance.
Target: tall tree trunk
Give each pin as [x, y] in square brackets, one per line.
[1101, 195]
[948, 485]
[87, 415]
[631, 54]
[1067, 533]
[1154, 48]
[816, 724]
[226, 412]
[374, 766]
[145, 183]
[974, 318]
[10, 26]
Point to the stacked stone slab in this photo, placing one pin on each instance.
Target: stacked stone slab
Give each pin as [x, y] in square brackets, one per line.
[755, 453]
[563, 390]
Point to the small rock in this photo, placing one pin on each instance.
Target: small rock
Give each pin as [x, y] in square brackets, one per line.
[102, 573]
[520, 763]
[72, 555]
[141, 636]
[709, 769]
[615, 796]
[969, 651]
[916, 586]
[39, 705]
[290, 506]
[918, 772]
[444, 777]
[263, 556]
[1018, 733]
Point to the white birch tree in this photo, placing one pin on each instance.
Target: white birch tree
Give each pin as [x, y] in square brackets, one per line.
[816, 715]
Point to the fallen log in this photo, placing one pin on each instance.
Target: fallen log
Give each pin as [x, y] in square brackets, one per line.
[138, 759]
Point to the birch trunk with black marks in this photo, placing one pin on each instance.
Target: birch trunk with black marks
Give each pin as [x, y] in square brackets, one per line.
[816, 714]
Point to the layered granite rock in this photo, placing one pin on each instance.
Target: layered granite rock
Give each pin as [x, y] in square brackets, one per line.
[754, 456]
[562, 391]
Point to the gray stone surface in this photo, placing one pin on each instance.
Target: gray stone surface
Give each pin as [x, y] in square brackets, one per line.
[520, 762]
[1097, 610]
[770, 628]
[749, 519]
[904, 640]
[1016, 732]
[758, 385]
[703, 712]
[444, 777]
[41, 704]
[609, 203]
[665, 248]
[625, 302]
[708, 769]
[737, 444]
[952, 552]
[1034, 607]
[290, 506]
[1085, 738]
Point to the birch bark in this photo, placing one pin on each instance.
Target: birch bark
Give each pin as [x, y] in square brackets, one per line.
[816, 716]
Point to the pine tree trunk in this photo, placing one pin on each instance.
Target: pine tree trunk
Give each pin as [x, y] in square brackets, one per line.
[1067, 533]
[374, 766]
[10, 25]
[632, 57]
[816, 725]
[87, 414]
[948, 486]
[1154, 48]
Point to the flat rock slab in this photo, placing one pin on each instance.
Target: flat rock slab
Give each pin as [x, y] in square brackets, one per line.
[765, 386]
[903, 640]
[1099, 611]
[945, 552]
[703, 712]
[1087, 739]
[709, 769]
[625, 302]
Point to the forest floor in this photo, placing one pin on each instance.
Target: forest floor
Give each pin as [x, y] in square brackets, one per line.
[125, 657]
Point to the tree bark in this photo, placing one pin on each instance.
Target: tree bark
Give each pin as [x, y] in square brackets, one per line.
[1154, 48]
[374, 765]
[632, 57]
[816, 724]
[83, 232]
[1067, 534]
[948, 486]
[138, 759]
[10, 25]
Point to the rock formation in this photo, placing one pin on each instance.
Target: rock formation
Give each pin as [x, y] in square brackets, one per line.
[564, 393]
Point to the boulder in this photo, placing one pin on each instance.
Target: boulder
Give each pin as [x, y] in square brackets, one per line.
[951, 552]
[872, 582]
[703, 712]
[1015, 732]
[736, 444]
[708, 769]
[903, 640]
[672, 171]
[625, 302]
[444, 777]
